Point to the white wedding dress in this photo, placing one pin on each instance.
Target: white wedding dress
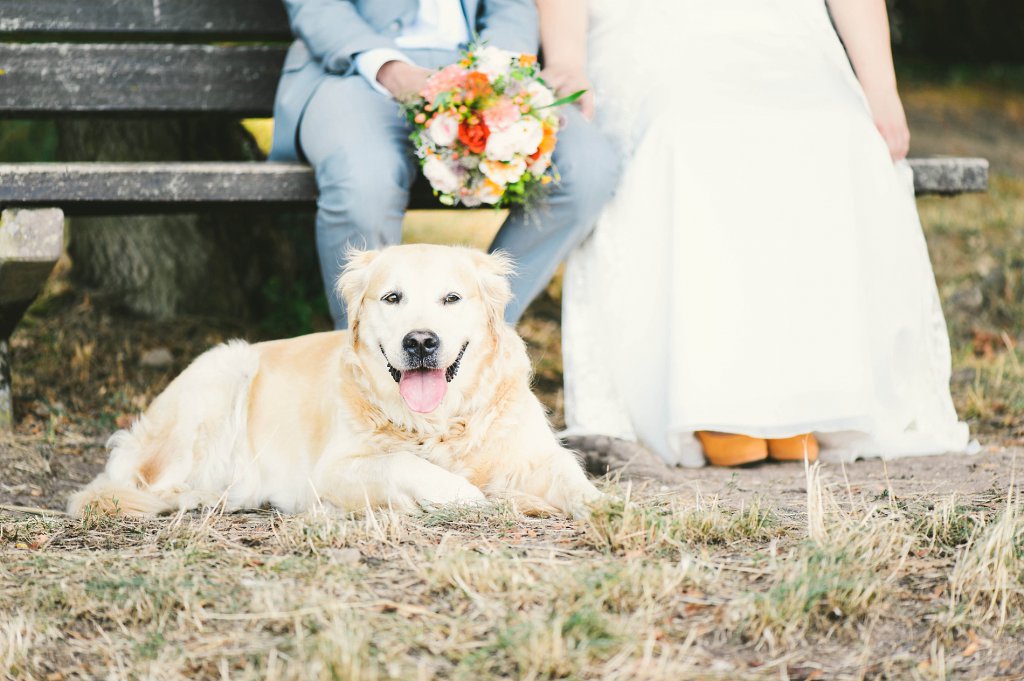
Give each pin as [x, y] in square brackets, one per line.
[761, 269]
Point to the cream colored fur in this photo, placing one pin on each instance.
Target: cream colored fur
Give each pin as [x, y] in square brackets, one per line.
[319, 418]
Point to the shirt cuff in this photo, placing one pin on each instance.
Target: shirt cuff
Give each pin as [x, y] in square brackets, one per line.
[368, 64]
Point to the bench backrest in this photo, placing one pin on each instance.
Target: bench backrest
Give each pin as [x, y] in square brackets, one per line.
[148, 57]
[140, 56]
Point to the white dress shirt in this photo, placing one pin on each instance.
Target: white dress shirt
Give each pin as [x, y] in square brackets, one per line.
[439, 24]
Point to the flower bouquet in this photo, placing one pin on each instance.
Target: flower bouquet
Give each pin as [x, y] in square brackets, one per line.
[485, 128]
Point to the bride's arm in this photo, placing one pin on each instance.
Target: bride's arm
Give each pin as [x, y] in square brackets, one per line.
[563, 39]
[864, 27]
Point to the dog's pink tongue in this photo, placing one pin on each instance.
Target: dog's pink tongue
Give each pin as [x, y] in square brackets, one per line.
[423, 390]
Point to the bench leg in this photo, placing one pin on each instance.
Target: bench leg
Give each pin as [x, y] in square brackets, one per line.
[6, 401]
[31, 241]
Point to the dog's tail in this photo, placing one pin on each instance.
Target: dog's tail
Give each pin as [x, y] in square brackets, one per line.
[121, 489]
[104, 496]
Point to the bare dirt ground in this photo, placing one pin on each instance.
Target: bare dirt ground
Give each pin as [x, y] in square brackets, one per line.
[904, 569]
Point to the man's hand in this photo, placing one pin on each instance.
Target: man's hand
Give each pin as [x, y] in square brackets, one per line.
[891, 121]
[567, 80]
[403, 80]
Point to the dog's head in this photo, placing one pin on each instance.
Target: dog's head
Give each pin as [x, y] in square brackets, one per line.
[427, 310]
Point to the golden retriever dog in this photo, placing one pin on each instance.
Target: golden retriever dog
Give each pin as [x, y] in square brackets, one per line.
[425, 401]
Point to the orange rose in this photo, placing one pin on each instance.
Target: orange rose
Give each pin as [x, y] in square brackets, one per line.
[474, 135]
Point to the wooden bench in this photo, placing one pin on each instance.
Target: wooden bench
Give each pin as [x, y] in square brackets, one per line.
[166, 58]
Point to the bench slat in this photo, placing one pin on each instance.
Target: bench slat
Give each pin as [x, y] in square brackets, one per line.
[151, 19]
[136, 184]
[66, 79]
[126, 187]
[949, 175]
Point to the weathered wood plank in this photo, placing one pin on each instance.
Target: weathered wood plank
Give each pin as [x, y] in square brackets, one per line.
[66, 79]
[80, 187]
[30, 243]
[152, 19]
[949, 175]
[68, 184]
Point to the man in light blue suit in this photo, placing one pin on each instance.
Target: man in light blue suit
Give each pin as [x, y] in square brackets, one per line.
[336, 107]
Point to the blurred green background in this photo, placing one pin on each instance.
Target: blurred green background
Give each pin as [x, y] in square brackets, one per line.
[955, 33]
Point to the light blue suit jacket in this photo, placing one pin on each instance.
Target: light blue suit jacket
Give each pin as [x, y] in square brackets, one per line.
[330, 33]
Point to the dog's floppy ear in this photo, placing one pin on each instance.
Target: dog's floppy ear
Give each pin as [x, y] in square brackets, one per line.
[495, 290]
[352, 284]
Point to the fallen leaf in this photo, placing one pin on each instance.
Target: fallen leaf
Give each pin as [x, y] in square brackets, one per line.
[984, 343]
[973, 646]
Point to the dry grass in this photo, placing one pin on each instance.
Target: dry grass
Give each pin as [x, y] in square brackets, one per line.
[987, 582]
[627, 525]
[840, 576]
[652, 585]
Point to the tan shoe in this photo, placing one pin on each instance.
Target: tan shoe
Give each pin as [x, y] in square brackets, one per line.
[727, 449]
[794, 448]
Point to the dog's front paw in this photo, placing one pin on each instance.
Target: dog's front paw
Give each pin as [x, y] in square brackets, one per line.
[450, 489]
[581, 499]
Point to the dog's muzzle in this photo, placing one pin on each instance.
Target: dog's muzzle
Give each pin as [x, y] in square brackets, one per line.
[449, 373]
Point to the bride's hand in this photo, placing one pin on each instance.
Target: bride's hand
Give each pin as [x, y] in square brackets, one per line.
[891, 121]
[565, 80]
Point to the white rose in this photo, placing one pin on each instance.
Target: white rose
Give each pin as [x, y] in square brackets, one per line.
[493, 62]
[442, 177]
[540, 96]
[503, 173]
[530, 133]
[502, 145]
[444, 128]
[522, 137]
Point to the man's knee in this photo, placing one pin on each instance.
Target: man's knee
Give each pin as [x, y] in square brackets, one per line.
[363, 190]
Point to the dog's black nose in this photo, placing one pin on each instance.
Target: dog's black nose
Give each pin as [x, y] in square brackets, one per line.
[421, 344]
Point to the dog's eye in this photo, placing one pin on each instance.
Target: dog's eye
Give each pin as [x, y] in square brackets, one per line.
[393, 298]
[452, 298]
